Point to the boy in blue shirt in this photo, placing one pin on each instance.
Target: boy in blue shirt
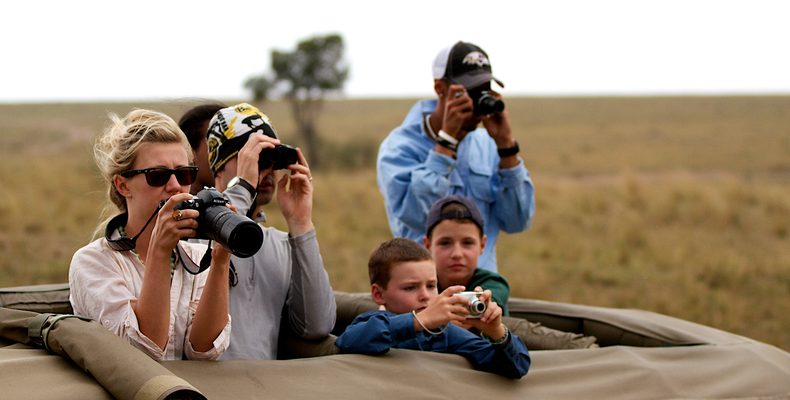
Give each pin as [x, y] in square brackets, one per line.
[413, 315]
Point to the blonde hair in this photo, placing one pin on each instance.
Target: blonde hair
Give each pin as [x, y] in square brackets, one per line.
[116, 149]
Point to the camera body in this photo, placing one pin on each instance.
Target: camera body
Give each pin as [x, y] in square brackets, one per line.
[476, 305]
[280, 157]
[485, 103]
[239, 234]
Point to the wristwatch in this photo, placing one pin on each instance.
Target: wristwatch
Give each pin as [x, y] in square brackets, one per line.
[237, 180]
[509, 151]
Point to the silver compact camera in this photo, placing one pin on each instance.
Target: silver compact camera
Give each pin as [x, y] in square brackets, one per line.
[476, 305]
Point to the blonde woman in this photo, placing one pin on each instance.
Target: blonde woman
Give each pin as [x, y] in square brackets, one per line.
[133, 280]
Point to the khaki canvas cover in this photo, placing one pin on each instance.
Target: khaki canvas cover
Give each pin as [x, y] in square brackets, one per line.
[52, 298]
[667, 358]
[120, 369]
[742, 371]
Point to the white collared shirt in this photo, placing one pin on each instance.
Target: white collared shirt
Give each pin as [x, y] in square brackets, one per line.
[105, 283]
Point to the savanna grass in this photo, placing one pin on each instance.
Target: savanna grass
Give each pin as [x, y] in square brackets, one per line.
[675, 205]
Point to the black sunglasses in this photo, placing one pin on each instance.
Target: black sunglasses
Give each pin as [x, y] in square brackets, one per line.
[159, 176]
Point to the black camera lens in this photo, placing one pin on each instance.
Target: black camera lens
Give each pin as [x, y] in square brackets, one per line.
[488, 104]
[239, 234]
[477, 307]
[484, 101]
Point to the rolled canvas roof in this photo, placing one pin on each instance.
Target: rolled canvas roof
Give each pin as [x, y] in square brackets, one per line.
[683, 360]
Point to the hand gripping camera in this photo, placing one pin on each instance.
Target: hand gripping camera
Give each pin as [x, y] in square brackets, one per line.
[239, 234]
[483, 101]
[476, 305]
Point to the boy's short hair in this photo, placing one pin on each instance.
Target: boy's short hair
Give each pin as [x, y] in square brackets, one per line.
[455, 208]
[393, 252]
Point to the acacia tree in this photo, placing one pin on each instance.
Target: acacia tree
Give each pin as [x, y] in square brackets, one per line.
[315, 68]
[260, 86]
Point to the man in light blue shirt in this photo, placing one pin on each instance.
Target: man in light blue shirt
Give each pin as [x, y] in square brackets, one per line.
[439, 150]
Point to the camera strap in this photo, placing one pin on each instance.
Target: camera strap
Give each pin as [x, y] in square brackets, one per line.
[189, 265]
[124, 243]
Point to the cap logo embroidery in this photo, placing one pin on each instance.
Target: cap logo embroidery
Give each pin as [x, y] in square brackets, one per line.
[476, 58]
[230, 133]
[255, 122]
[213, 154]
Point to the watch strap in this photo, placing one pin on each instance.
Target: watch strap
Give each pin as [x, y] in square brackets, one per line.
[243, 183]
[509, 151]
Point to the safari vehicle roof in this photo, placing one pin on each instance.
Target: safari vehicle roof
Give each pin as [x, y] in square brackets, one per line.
[643, 355]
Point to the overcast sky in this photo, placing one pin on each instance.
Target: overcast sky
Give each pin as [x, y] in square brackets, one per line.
[142, 49]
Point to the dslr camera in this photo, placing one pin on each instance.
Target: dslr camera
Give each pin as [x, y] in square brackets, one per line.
[239, 234]
[280, 157]
[476, 305]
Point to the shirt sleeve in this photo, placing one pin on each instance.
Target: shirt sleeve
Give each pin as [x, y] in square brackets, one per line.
[220, 344]
[514, 206]
[100, 291]
[240, 198]
[411, 183]
[375, 332]
[222, 341]
[311, 301]
[511, 359]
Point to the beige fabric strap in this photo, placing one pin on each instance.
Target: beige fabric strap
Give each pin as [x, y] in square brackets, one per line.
[161, 386]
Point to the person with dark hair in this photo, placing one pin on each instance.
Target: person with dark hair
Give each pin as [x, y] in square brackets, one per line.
[439, 150]
[454, 236]
[194, 124]
[416, 316]
[285, 282]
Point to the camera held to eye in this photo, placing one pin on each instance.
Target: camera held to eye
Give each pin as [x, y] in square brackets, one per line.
[485, 103]
[476, 305]
[237, 233]
[280, 157]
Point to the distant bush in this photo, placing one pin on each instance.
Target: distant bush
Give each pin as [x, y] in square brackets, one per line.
[349, 155]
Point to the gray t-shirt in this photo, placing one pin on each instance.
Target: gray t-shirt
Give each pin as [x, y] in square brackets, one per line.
[284, 279]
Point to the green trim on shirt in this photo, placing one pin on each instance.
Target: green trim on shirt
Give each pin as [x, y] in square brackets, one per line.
[494, 282]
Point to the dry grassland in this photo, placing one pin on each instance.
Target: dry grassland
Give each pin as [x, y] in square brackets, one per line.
[675, 205]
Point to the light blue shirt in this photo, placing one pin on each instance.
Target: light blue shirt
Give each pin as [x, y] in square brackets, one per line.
[412, 176]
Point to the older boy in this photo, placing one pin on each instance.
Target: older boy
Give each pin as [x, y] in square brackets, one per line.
[415, 316]
[454, 236]
[455, 239]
